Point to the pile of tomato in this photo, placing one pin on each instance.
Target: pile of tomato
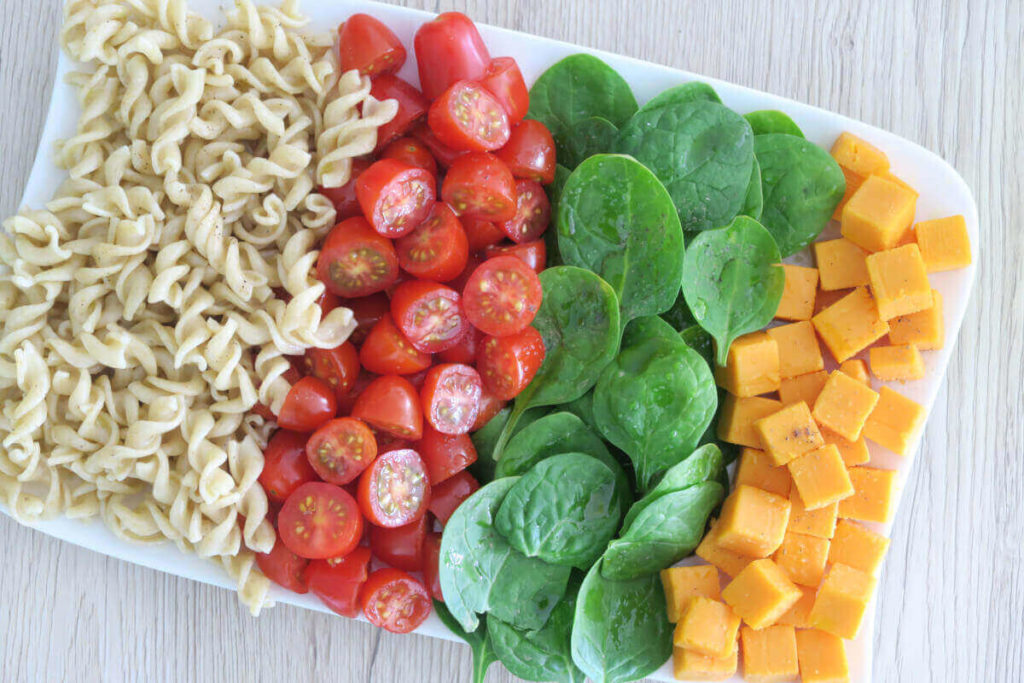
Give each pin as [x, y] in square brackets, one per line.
[436, 253]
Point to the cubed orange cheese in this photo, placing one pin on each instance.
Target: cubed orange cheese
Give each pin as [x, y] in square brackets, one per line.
[752, 366]
[693, 666]
[888, 175]
[895, 421]
[857, 547]
[711, 551]
[753, 521]
[853, 453]
[841, 264]
[853, 182]
[844, 405]
[820, 477]
[903, 362]
[756, 469]
[858, 155]
[842, 600]
[798, 349]
[789, 433]
[899, 282]
[802, 558]
[877, 214]
[802, 388]
[708, 627]
[739, 415]
[850, 324]
[798, 615]
[682, 584]
[797, 302]
[944, 243]
[769, 655]
[857, 369]
[924, 329]
[822, 657]
[761, 593]
[874, 495]
[820, 522]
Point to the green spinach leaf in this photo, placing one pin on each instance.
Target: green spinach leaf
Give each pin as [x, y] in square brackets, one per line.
[542, 655]
[480, 641]
[768, 121]
[594, 135]
[485, 440]
[583, 408]
[679, 316]
[700, 341]
[640, 329]
[686, 92]
[704, 464]
[753, 203]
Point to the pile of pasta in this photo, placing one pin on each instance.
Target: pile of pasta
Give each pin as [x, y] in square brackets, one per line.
[154, 301]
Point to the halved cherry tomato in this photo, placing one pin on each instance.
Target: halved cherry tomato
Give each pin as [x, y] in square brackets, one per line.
[389, 442]
[436, 249]
[479, 185]
[366, 311]
[283, 567]
[448, 495]
[412, 106]
[465, 350]
[502, 296]
[451, 397]
[534, 254]
[346, 404]
[533, 213]
[428, 314]
[443, 154]
[448, 49]
[368, 45]
[339, 367]
[490, 405]
[356, 261]
[395, 196]
[338, 580]
[319, 521]
[467, 116]
[386, 351]
[530, 152]
[445, 455]
[341, 449]
[395, 490]
[481, 233]
[391, 404]
[431, 562]
[328, 302]
[412, 152]
[285, 466]
[504, 80]
[400, 546]
[309, 403]
[344, 198]
[472, 263]
[507, 364]
[395, 601]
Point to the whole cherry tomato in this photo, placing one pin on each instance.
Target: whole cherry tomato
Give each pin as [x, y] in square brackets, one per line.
[449, 49]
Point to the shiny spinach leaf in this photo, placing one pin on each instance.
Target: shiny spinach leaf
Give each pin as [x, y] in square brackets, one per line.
[641, 329]
[480, 641]
[768, 121]
[704, 464]
[753, 203]
[700, 341]
[686, 92]
[486, 439]
[594, 135]
[583, 408]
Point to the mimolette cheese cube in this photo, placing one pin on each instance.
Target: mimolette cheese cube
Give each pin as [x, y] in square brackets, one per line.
[739, 415]
[802, 388]
[842, 600]
[711, 550]
[822, 657]
[853, 453]
[693, 666]
[756, 469]
[797, 302]
[798, 349]
[761, 593]
[802, 558]
[892, 363]
[798, 616]
[752, 366]
[820, 477]
[944, 243]
[850, 324]
[878, 214]
[895, 421]
[753, 522]
[844, 405]
[857, 547]
[924, 329]
[841, 264]
[874, 495]
[707, 627]
[769, 654]
[789, 433]
[682, 584]
[899, 282]
[820, 522]
[857, 369]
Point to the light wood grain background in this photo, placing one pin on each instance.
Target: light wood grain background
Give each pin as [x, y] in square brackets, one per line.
[947, 75]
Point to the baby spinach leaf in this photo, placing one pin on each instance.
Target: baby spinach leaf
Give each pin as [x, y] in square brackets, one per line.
[486, 439]
[802, 185]
[679, 316]
[700, 341]
[563, 511]
[686, 92]
[480, 641]
[620, 631]
[732, 280]
[753, 203]
[594, 135]
[615, 218]
[542, 655]
[640, 329]
[768, 121]
[704, 464]
[702, 151]
[583, 408]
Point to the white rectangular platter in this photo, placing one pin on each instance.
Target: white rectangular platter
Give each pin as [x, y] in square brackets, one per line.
[943, 192]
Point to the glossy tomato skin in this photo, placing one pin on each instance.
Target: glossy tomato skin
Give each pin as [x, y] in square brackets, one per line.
[327, 302]
[450, 494]
[481, 233]
[284, 567]
[395, 196]
[431, 563]
[411, 151]
[339, 367]
[437, 248]
[344, 198]
[472, 263]
[391, 404]
[507, 364]
[366, 311]
[504, 80]
[465, 350]
[309, 403]
[428, 314]
[341, 449]
[319, 521]
[443, 154]
[386, 351]
[468, 117]
[490, 405]
[395, 601]
[533, 213]
[445, 455]
[479, 185]
[534, 254]
[400, 546]
[395, 489]
[451, 397]
[337, 581]
[530, 152]
[412, 106]
[285, 466]
[356, 261]
[368, 45]
[502, 296]
[345, 405]
[448, 49]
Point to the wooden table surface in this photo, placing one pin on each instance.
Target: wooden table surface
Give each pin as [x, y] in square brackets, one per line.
[945, 74]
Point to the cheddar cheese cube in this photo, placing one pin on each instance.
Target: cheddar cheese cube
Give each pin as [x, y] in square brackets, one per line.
[878, 213]
[789, 433]
[874, 495]
[924, 329]
[711, 550]
[888, 175]
[895, 421]
[944, 243]
[693, 666]
[798, 349]
[850, 324]
[797, 302]
[739, 415]
[853, 182]
[844, 405]
[820, 477]
[853, 453]
[769, 654]
[756, 469]
[753, 521]
[841, 264]
[842, 600]
[820, 522]
[798, 616]
[858, 155]
[683, 584]
[761, 593]
[802, 558]
[903, 362]
[802, 388]
[857, 369]
[707, 627]
[752, 366]
[822, 657]
[899, 282]
[857, 547]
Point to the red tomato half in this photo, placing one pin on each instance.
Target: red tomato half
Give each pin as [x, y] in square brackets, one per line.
[507, 364]
[338, 580]
[465, 350]
[339, 367]
[448, 495]
[327, 302]
[428, 314]
[400, 546]
[285, 467]
[468, 117]
[344, 198]
[391, 404]
[437, 248]
[502, 296]
[479, 185]
[412, 106]
[395, 196]
[355, 261]
[445, 454]
[412, 152]
[386, 351]
[309, 403]
[504, 80]
[431, 562]
[451, 397]
[490, 405]
[341, 449]
[283, 567]
[395, 601]
[481, 233]
[534, 254]
[449, 49]
[366, 311]
[319, 521]
[369, 46]
[530, 152]
[533, 213]
[395, 490]
[362, 381]
[444, 154]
